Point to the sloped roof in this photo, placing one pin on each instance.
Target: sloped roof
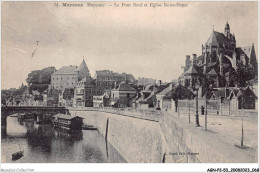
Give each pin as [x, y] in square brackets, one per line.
[125, 87]
[244, 50]
[162, 87]
[164, 90]
[192, 71]
[246, 91]
[66, 70]
[83, 66]
[218, 39]
[103, 72]
[212, 72]
[35, 92]
[148, 88]
[247, 50]
[83, 70]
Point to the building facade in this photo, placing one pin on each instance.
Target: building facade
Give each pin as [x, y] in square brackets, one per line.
[106, 80]
[68, 76]
[84, 92]
[123, 95]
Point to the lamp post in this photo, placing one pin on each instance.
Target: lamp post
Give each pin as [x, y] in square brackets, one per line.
[189, 110]
[242, 136]
[206, 105]
[197, 100]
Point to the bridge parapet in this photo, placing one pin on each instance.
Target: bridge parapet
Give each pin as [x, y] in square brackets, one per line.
[40, 110]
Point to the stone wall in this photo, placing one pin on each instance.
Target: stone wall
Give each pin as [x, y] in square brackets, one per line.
[205, 146]
[137, 140]
[167, 139]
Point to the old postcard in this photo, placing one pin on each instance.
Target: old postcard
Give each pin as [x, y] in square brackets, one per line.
[129, 82]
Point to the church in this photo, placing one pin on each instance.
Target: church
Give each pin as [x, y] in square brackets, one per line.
[219, 57]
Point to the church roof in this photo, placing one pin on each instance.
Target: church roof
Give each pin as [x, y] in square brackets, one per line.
[218, 39]
[191, 71]
[247, 50]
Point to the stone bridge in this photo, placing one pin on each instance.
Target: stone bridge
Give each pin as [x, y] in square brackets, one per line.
[37, 110]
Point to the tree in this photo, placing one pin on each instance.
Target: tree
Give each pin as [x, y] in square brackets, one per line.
[242, 75]
[40, 79]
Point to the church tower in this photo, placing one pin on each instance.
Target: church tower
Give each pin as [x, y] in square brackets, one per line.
[227, 30]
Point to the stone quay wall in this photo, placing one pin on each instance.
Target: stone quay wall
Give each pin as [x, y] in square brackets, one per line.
[155, 137]
[137, 140]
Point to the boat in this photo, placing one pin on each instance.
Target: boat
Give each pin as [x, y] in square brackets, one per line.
[88, 127]
[17, 155]
[67, 122]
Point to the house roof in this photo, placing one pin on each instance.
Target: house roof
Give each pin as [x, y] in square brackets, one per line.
[64, 116]
[35, 92]
[218, 93]
[212, 72]
[125, 87]
[162, 87]
[164, 90]
[191, 71]
[67, 70]
[246, 91]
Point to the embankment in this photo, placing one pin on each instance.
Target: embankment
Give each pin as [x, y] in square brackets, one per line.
[137, 140]
[140, 138]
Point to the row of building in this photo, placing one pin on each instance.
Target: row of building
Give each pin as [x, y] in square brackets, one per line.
[73, 86]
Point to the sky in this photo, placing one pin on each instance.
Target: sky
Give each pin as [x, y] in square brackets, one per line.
[144, 41]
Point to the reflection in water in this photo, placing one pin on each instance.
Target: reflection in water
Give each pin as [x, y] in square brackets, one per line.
[43, 143]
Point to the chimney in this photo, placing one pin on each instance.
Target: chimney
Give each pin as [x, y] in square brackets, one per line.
[159, 82]
[187, 62]
[194, 59]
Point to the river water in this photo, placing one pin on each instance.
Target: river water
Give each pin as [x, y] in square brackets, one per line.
[43, 144]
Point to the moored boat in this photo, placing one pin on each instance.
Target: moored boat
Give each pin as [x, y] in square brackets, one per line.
[67, 122]
[17, 155]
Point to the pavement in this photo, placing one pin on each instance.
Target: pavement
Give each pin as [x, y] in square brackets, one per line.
[228, 127]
